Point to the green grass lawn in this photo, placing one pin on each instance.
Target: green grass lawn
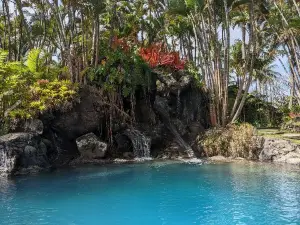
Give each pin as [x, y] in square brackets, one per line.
[279, 134]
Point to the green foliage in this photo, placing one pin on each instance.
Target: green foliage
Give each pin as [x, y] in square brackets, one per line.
[24, 95]
[193, 71]
[38, 67]
[121, 71]
[69, 31]
[261, 113]
[257, 111]
[33, 60]
[44, 96]
[15, 78]
[295, 109]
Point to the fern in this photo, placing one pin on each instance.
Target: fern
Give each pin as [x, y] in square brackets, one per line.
[33, 60]
[3, 55]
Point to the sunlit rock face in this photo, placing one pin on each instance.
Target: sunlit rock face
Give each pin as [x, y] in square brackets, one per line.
[90, 146]
[22, 151]
[280, 151]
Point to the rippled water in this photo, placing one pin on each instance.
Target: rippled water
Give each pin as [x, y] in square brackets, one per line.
[154, 194]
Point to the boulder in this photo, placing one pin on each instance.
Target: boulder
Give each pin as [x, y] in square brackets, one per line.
[90, 146]
[173, 82]
[85, 117]
[275, 149]
[185, 81]
[181, 128]
[256, 147]
[290, 158]
[165, 82]
[63, 127]
[280, 151]
[21, 151]
[293, 161]
[34, 126]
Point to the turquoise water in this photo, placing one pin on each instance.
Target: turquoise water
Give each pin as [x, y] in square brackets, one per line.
[154, 194]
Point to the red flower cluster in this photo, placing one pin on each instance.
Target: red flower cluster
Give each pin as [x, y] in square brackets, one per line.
[294, 115]
[156, 55]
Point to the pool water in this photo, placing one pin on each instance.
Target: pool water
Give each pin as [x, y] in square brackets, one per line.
[154, 194]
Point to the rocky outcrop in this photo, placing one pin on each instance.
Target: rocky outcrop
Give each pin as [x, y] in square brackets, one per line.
[22, 151]
[128, 155]
[280, 151]
[161, 108]
[34, 126]
[173, 82]
[174, 151]
[167, 114]
[85, 117]
[185, 99]
[123, 143]
[63, 128]
[185, 104]
[90, 147]
[132, 142]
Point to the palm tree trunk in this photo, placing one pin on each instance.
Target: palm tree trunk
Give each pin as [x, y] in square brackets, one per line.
[95, 45]
[292, 94]
[9, 27]
[252, 48]
[226, 65]
[23, 22]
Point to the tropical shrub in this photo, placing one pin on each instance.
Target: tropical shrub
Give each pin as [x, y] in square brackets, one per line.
[123, 71]
[232, 141]
[39, 66]
[44, 96]
[23, 94]
[15, 78]
[130, 66]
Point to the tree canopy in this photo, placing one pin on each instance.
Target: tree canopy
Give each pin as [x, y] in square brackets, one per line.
[113, 43]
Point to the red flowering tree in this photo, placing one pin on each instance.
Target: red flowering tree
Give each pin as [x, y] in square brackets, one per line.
[155, 55]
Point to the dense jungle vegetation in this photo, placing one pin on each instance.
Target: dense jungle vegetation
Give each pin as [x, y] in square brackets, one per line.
[232, 48]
